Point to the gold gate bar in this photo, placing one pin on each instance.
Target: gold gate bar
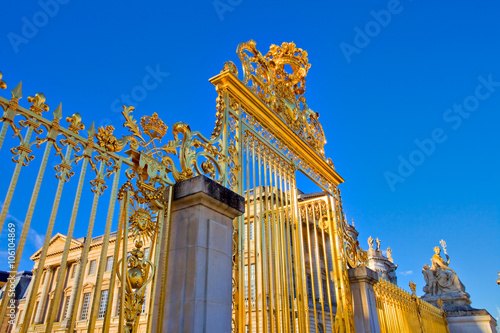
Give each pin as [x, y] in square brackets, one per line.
[88, 240]
[104, 250]
[261, 240]
[316, 220]
[29, 215]
[269, 239]
[123, 282]
[247, 254]
[255, 243]
[166, 241]
[69, 237]
[274, 218]
[297, 224]
[3, 133]
[323, 237]
[12, 187]
[302, 259]
[311, 267]
[287, 262]
[45, 247]
[122, 220]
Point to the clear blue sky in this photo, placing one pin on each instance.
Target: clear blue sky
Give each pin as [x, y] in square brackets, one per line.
[379, 86]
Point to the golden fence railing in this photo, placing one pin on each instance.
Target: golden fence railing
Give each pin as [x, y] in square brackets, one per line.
[400, 311]
[105, 282]
[290, 257]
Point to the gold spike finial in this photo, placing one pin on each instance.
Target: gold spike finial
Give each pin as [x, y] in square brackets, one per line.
[17, 92]
[58, 112]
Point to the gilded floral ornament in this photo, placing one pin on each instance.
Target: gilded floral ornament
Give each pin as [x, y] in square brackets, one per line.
[38, 103]
[3, 85]
[272, 81]
[154, 160]
[76, 124]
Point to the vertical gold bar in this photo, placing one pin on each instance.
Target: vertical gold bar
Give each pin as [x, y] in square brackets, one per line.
[122, 220]
[123, 282]
[261, 241]
[156, 244]
[299, 260]
[48, 234]
[311, 267]
[327, 270]
[78, 283]
[275, 238]
[290, 295]
[166, 241]
[282, 245]
[5, 125]
[13, 181]
[27, 220]
[104, 249]
[248, 303]
[269, 240]
[255, 243]
[302, 260]
[316, 220]
[69, 237]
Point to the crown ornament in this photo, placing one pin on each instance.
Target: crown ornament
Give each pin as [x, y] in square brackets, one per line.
[154, 126]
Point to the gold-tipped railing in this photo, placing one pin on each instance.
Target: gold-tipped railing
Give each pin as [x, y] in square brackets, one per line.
[400, 311]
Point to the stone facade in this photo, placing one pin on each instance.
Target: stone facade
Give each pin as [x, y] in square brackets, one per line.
[45, 294]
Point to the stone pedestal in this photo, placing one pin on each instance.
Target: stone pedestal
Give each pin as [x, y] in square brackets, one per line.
[362, 280]
[457, 301]
[199, 274]
[471, 321]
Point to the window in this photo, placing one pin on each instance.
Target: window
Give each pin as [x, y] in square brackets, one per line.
[252, 281]
[73, 272]
[66, 307]
[102, 304]
[118, 302]
[85, 306]
[92, 267]
[146, 253]
[109, 263]
[251, 231]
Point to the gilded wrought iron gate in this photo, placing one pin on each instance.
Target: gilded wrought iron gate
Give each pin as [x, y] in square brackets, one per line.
[290, 267]
[104, 283]
[291, 251]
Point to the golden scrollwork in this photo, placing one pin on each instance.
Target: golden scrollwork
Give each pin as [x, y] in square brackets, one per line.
[158, 157]
[282, 90]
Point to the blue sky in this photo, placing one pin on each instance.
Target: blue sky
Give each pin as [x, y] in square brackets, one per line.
[408, 94]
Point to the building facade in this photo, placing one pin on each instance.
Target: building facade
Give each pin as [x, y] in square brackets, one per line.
[71, 301]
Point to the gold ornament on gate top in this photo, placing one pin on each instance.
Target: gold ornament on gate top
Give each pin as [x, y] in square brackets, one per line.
[282, 89]
[157, 157]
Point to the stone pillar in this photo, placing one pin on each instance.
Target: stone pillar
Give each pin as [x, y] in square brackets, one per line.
[362, 280]
[43, 297]
[199, 273]
[76, 282]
